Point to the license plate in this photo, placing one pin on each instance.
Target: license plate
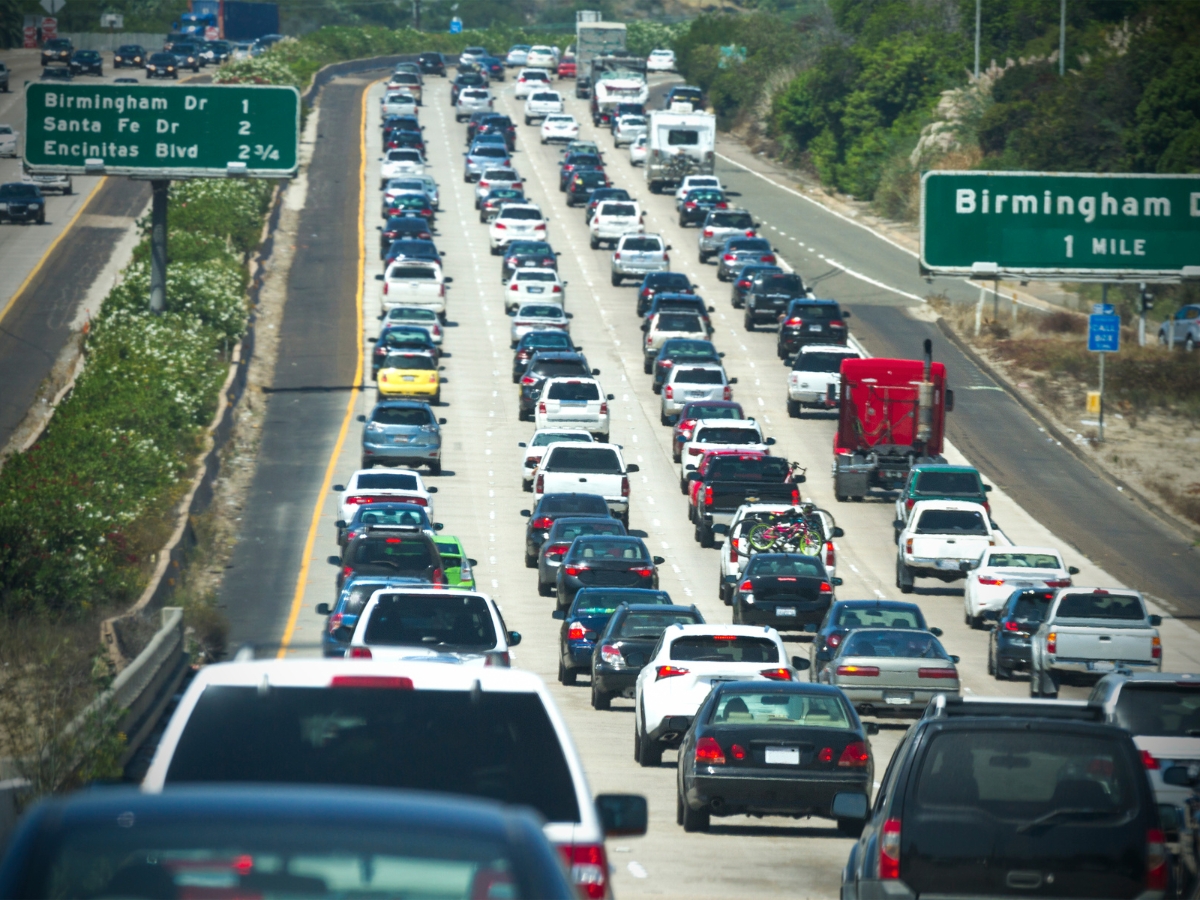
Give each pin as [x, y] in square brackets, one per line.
[693, 395]
[897, 698]
[1101, 665]
[400, 439]
[947, 563]
[785, 611]
[409, 377]
[535, 290]
[783, 756]
[814, 327]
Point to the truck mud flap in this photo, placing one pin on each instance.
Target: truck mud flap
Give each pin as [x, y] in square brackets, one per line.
[849, 483]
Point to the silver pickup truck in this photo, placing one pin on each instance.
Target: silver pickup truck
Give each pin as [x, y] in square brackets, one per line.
[1090, 632]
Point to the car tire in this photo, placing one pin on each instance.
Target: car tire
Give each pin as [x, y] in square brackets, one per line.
[593, 243]
[736, 616]
[1189, 344]
[616, 280]
[1001, 673]
[566, 676]
[530, 561]
[703, 257]
[793, 409]
[704, 534]
[656, 388]
[545, 590]
[601, 700]
[904, 578]
[650, 754]
[693, 819]
[495, 251]
[747, 322]
[367, 463]
[435, 467]
[665, 419]
[647, 365]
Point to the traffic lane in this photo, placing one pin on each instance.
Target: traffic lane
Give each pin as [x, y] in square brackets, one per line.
[314, 372]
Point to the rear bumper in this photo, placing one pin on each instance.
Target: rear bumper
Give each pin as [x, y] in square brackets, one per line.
[401, 453]
[670, 730]
[630, 269]
[1083, 666]
[871, 700]
[578, 654]
[733, 792]
[764, 613]
[615, 681]
[764, 313]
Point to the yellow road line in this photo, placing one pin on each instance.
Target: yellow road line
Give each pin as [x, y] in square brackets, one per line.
[12, 301]
[327, 482]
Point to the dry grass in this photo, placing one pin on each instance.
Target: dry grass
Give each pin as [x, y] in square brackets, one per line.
[1186, 502]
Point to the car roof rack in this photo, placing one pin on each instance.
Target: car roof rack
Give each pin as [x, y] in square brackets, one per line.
[944, 706]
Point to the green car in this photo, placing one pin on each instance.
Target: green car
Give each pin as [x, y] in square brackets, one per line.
[455, 562]
[940, 482]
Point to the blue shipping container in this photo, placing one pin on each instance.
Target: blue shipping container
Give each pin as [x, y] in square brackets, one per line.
[250, 21]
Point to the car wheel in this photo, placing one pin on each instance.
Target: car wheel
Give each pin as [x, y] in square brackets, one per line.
[1189, 344]
[566, 676]
[747, 322]
[41, 219]
[650, 755]
[545, 590]
[435, 467]
[703, 257]
[656, 388]
[593, 243]
[600, 699]
[704, 535]
[850, 827]
[991, 660]
[616, 280]
[602, 438]
[367, 463]
[665, 419]
[1002, 673]
[693, 819]
[530, 561]
[495, 251]
[904, 578]
[647, 365]
[793, 409]
[637, 739]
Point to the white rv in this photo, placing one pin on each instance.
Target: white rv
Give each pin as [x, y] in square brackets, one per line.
[679, 144]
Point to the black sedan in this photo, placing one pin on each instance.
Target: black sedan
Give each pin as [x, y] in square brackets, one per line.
[778, 749]
[86, 62]
[605, 561]
[682, 350]
[810, 322]
[769, 296]
[129, 55]
[561, 536]
[583, 182]
[557, 506]
[624, 645]
[535, 342]
[846, 615]
[403, 228]
[1016, 621]
[490, 205]
[526, 254]
[588, 617]
[660, 283]
[744, 280]
[698, 203]
[573, 161]
[410, 248]
[432, 64]
[162, 65]
[787, 591]
[401, 337]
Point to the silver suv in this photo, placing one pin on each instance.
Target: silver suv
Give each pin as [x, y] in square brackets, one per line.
[472, 100]
[638, 254]
[722, 224]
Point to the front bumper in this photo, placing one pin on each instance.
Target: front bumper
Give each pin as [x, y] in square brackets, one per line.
[20, 214]
[742, 790]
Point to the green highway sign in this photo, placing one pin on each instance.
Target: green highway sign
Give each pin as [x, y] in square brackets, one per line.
[160, 131]
[1052, 224]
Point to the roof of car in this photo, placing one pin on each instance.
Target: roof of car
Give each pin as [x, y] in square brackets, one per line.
[942, 467]
[967, 505]
[711, 630]
[875, 604]
[828, 348]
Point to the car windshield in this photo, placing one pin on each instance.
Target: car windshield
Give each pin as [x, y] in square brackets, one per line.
[772, 566]
[545, 438]
[389, 514]
[778, 708]
[1024, 561]
[18, 191]
[699, 376]
[448, 622]
[952, 521]
[948, 484]
[586, 460]
[503, 748]
[906, 644]
[1019, 775]
[727, 435]
[404, 554]
[573, 391]
[568, 531]
[879, 617]
[525, 213]
[724, 648]
[821, 362]
[632, 550]
[413, 361]
[386, 481]
[401, 415]
[1100, 606]
[562, 504]
[649, 625]
[531, 248]
[740, 220]
[667, 281]
[642, 245]
[679, 322]
[1159, 710]
[749, 468]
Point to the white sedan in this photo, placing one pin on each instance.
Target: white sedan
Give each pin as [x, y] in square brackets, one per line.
[559, 127]
[542, 56]
[399, 163]
[536, 448]
[538, 317]
[660, 61]
[374, 486]
[1007, 569]
[637, 150]
[500, 177]
[534, 286]
[530, 80]
[9, 135]
[541, 104]
[516, 222]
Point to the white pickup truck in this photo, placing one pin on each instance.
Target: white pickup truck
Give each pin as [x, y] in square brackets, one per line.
[575, 468]
[1089, 632]
[942, 539]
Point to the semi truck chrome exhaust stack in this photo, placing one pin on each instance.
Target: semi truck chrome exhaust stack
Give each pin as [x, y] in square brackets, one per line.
[925, 399]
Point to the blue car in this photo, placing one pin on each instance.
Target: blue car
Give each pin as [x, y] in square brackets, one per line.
[583, 622]
[846, 615]
[342, 616]
[404, 433]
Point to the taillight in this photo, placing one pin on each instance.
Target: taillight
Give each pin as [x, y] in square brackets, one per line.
[830, 555]
[668, 672]
[1155, 648]
[825, 588]
[589, 868]
[1059, 583]
[950, 672]
[908, 504]
[347, 571]
[733, 551]
[576, 632]
[889, 849]
[708, 232]
[826, 755]
[708, 497]
[385, 288]
[750, 233]
[528, 379]
[689, 205]
[695, 451]
[986, 579]
[556, 289]
[769, 258]
[439, 578]
[709, 752]
[795, 496]
[722, 205]
[1156, 860]
[541, 484]
[1052, 642]
[779, 674]
[908, 546]
[532, 461]
[645, 572]
[358, 653]
[669, 392]
[574, 571]
[728, 257]
[728, 392]
[738, 752]
[855, 756]
[604, 408]
[794, 322]
[556, 551]
[859, 671]
[541, 522]
[611, 656]
[335, 622]
[1010, 625]
[617, 255]
[541, 406]
[746, 585]
[500, 226]
[837, 323]
[1148, 761]
[624, 485]
[833, 640]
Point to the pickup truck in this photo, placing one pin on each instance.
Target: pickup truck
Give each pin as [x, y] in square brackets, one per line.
[1089, 632]
[942, 539]
[586, 469]
[733, 480]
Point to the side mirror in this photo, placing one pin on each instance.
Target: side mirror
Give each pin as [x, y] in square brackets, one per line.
[800, 479]
[733, 380]
[1154, 620]
[361, 418]
[836, 582]
[612, 397]
[449, 280]
[525, 514]
[800, 663]
[898, 523]
[441, 421]
[334, 560]
[720, 529]
[322, 609]
[693, 476]
[936, 632]
[559, 614]
[633, 467]
[622, 815]
[1073, 570]
[339, 487]
[379, 228]
[846, 314]
[438, 526]
[690, 467]
[340, 523]
[1179, 776]
[432, 490]
[371, 341]
[520, 443]
[770, 442]
[872, 728]
[987, 488]
[379, 278]
[720, 354]
[658, 560]
[514, 638]
[669, 247]
[837, 532]
[570, 315]
[955, 659]
[594, 371]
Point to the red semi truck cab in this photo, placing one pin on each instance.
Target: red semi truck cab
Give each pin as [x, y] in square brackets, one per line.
[892, 416]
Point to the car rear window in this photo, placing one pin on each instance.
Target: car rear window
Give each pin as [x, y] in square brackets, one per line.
[520, 212]
[497, 150]
[411, 361]
[391, 415]
[546, 96]
[358, 595]
[821, 362]
[413, 313]
[724, 648]
[778, 283]
[450, 622]
[879, 617]
[573, 390]
[965, 484]
[618, 209]
[501, 175]
[778, 708]
[570, 530]
[1018, 776]
[574, 503]
[651, 625]
[545, 438]
[632, 549]
[951, 521]
[679, 322]
[727, 435]
[400, 554]
[699, 376]
[894, 645]
[382, 481]
[1031, 605]
[590, 460]
[564, 367]
[546, 339]
[700, 411]
[1024, 560]
[541, 312]
[1100, 606]
[767, 469]
[536, 276]
[380, 514]
[642, 245]
[614, 597]
[730, 220]
[498, 745]
[683, 137]
[784, 566]
[682, 347]
[412, 273]
[747, 245]
[1159, 709]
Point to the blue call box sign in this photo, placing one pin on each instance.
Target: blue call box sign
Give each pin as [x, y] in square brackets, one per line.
[1104, 333]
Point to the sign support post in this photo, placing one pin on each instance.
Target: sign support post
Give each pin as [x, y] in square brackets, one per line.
[1104, 337]
[1104, 303]
[158, 245]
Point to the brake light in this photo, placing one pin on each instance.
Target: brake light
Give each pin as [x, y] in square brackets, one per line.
[859, 671]
[669, 392]
[889, 850]
[686, 427]
[794, 322]
[695, 451]
[728, 392]
[746, 585]
[575, 571]
[668, 672]
[722, 205]
[589, 868]
[541, 484]
[795, 496]
[556, 551]
[825, 588]
[779, 674]
[985, 579]
[347, 572]
[769, 258]
[691, 204]
[709, 752]
[541, 522]
[358, 653]
[908, 504]
[542, 406]
[708, 232]
[728, 257]
[617, 255]
[556, 289]
[833, 640]
[500, 226]
[855, 756]
[908, 546]
[1052, 642]
[1156, 860]
[737, 751]
[830, 555]
[950, 672]
[1059, 583]
[528, 379]
[604, 408]
[708, 495]
[750, 233]
[389, 682]
[1148, 761]
[645, 572]
[576, 632]
[1155, 648]
[826, 755]
[385, 288]
[1010, 625]
[611, 656]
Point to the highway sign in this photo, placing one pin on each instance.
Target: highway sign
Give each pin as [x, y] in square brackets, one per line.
[1104, 333]
[162, 131]
[1048, 224]
[456, 25]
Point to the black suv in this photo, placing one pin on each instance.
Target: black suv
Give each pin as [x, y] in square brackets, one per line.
[57, 50]
[810, 322]
[86, 61]
[557, 506]
[432, 63]
[398, 551]
[769, 296]
[995, 798]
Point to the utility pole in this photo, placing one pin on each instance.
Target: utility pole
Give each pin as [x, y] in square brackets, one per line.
[158, 245]
[417, 14]
[1062, 42]
[978, 20]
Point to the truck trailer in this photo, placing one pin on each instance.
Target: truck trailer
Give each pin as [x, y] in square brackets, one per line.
[594, 39]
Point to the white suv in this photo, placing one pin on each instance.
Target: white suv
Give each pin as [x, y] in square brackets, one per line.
[574, 403]
[612, 220]
[541, 104]
[488, 732]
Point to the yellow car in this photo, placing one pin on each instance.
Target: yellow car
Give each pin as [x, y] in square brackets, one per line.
[409, 375]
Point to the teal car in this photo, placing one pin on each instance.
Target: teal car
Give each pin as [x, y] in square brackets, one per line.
[455, 562]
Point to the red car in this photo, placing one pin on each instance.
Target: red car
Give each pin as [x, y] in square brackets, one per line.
[701, 409]
[567, 67]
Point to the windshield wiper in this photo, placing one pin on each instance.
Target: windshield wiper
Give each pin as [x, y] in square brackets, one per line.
[1064, 811]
